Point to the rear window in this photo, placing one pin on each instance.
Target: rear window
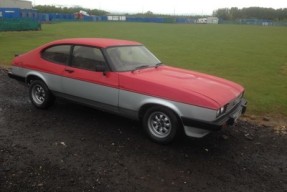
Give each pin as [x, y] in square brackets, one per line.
[57, 54]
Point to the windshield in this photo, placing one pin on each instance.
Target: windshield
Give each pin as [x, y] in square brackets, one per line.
[129, 58]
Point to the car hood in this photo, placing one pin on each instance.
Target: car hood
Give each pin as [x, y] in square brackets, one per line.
[181, 85]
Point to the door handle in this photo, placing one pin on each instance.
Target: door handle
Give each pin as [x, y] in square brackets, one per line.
[69, 70]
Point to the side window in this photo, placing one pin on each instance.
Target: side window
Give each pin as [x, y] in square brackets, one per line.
[58, 54]
[89, 58]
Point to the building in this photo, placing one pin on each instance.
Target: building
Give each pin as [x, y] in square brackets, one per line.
[17, 15]
[208, 20]
[212, 20]
[202, 20]
[15, 4]
[16, 9]
[116, 18]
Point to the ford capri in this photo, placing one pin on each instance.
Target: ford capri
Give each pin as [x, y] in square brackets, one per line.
[125, 78]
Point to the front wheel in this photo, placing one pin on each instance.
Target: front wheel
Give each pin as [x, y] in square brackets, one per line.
[161, 124]
[40, 95]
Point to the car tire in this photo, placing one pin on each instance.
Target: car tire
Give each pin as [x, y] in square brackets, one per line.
[161, 124]
[40, 95]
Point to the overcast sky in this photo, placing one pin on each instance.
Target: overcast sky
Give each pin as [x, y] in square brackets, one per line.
[178, 7]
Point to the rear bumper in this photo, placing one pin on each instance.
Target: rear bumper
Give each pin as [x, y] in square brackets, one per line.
[196, 128]
[16, 77]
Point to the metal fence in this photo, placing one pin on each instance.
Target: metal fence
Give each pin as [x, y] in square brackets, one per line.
[16, 19]
[19, 25]
[12, 19]
[262, 22]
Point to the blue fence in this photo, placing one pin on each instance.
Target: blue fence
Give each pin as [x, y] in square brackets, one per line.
[255, 21]
[185, 20]
[15, 19]
[264, 22]
[54, 17]
[161, 19]
[16, 13]
[49, 17]
[99, 18]
[10, 13]
[29, 13]
[146, 20]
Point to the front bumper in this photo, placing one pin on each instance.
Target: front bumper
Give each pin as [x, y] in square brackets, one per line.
[197, 128]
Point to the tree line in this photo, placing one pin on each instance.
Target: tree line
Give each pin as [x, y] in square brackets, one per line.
[67, 10]
[251, 13]
[224, 13]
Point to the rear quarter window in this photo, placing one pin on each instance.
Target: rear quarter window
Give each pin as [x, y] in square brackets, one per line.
[89, 58]
[57, 54]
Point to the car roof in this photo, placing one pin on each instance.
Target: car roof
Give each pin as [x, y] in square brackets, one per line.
[98, 42]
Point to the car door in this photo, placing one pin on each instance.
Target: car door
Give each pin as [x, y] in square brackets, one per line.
[85, 81]
[54, 60]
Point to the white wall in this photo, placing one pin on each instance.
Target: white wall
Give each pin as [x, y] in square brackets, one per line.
[212, 20]
[116, 18]
[16, 4]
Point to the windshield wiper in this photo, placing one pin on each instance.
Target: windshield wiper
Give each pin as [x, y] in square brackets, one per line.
[141, 67]
[158, 64]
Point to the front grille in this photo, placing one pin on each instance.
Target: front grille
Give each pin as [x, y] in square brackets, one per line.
[234, 102]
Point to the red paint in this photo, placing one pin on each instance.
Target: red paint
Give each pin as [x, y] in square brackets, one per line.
[97, 42]
[164, 82]
[181, 85]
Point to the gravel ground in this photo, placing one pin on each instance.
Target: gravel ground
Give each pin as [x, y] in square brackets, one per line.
[74, 148]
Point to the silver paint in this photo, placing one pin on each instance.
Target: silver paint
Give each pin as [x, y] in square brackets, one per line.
[91, 91]
[52, 81]
[38, 94]
[123, 99]
[159, 124]
[195, 132]
[135, 101]
[123, 102]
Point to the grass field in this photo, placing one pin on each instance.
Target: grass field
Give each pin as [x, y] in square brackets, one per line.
[253, 56]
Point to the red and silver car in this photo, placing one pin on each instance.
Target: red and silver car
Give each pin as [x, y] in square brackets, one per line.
[125, 78]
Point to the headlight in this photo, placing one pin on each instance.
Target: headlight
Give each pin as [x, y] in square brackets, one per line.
[221, 110]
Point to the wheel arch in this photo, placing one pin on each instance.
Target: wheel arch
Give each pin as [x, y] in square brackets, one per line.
[160, 103]
[35, 76]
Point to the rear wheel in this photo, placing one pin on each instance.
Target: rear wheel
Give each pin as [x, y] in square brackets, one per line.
[40, 95]
[161, 124]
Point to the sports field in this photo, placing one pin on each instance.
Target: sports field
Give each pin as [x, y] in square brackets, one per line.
[254, 56]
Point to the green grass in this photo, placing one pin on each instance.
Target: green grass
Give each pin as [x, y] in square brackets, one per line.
[253, 56]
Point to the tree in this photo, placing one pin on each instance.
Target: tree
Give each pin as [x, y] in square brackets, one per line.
[251, 12]
[222, 13]
[70, 10]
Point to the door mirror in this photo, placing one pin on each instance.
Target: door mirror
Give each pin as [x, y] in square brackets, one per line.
[100, 68]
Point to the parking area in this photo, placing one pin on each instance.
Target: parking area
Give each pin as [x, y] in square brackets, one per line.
[70, 147]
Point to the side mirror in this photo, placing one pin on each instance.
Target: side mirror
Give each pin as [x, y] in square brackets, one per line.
[100, 68]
